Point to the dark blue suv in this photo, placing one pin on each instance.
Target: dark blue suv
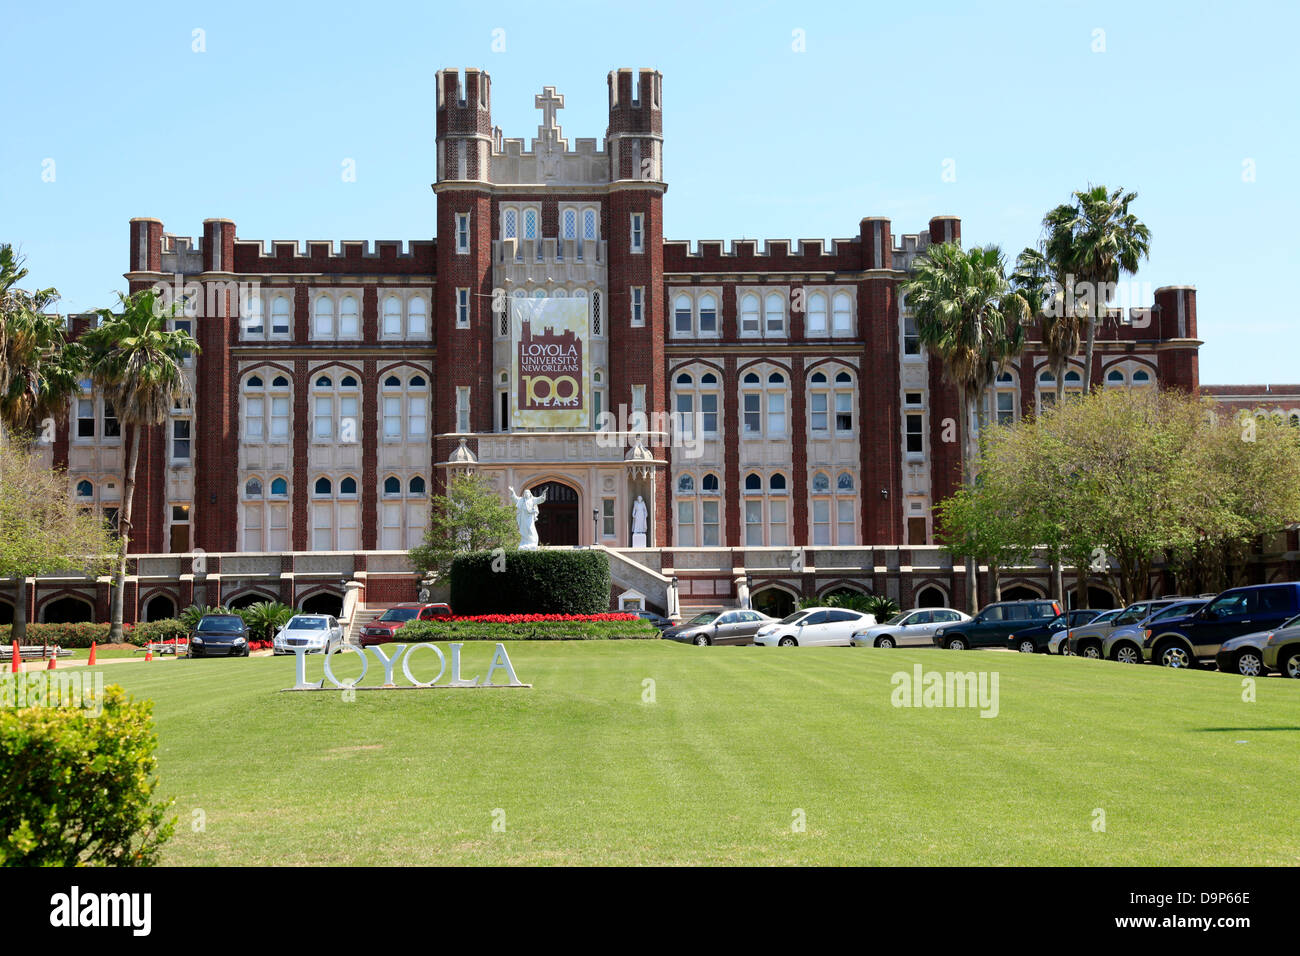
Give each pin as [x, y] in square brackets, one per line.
[1186, 641]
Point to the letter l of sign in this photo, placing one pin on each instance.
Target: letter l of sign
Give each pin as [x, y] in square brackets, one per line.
[301, 671]
[456, 679]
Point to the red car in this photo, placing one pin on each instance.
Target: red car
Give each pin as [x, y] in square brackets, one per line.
[383, 630]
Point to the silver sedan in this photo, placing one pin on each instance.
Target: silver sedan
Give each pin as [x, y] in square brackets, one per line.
[909, 628]
[316, 632]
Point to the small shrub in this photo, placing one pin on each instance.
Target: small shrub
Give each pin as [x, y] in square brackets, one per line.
[157, 631]
[63, 635]
[524, 629]
[79, 788]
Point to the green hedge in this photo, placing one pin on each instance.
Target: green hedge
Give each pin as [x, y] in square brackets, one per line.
[81, 635]
[80, 785]
[418, 632]
[530, 582]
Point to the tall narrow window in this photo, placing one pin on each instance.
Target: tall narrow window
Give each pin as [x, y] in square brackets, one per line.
[911, 336]
[774, 307]
[638, 305]
[392, 316]
[280, 315]
[180, 439]
[638, 232]
[816, 321]
[324, 318]
[842, 316]
[112, 428]
[349, 318]
[462, 308]
[682, 315]
[462, 233]
[462, 409]
[708, 314]
[749, 314]
[915, 434]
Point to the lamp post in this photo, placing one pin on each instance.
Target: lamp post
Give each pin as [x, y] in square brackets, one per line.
[595, 526]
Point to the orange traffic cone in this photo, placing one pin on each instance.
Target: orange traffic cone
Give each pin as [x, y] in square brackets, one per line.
[54, 659]
[17, 664]
[148, 652]
[90, 662]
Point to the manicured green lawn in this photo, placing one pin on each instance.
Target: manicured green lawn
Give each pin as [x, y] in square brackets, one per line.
[714, 771]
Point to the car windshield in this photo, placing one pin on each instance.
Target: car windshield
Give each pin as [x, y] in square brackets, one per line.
[791, 618]
[307, 624]
[1173, 610]
[1291, 623]
[222, 623]
[400, 613]
[708, 617]
[898, 618]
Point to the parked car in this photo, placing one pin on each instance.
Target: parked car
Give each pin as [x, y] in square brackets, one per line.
[383, 629]
[1059, 642]
[992, 626]
[1188, 641]
[719, 627]
[814, 627]
[219, 635]
[1035, 640]
[1245, 654]
[909, 628]
[658, 620]
[1282, 649]
[1086, 641]
[1124, 644]
[319, 633]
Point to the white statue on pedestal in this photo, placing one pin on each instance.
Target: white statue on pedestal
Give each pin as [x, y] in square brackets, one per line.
[526, 510]
[639, 525]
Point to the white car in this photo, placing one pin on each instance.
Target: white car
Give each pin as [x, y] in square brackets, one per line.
[814, 627]
[316, 632]
[909, 628]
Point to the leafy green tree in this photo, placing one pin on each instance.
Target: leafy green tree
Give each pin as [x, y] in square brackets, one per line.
[469, 517]
[1095, 239]
[136, 362]
[265, 618]
[42, 530]
[968, 314]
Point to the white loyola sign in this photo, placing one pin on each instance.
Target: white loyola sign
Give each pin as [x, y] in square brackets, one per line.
[404, 654]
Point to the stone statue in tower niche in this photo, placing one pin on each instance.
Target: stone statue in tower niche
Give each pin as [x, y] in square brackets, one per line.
[640, 514]
[526, 510]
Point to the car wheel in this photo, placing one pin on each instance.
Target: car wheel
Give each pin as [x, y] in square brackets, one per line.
[1127, 654]
[1249, 664]
[884, 642]
[955, 644]
[1174, 655]
[1090, 651]
[1291, 666]
[701, 640]
[1027, 647]
[788, 642]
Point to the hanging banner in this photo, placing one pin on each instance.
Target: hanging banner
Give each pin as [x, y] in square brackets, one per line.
[549, 345]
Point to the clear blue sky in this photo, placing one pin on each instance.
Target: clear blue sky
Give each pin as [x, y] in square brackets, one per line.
[761, 141]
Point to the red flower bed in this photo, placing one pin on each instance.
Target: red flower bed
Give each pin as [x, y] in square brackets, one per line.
[532, 618]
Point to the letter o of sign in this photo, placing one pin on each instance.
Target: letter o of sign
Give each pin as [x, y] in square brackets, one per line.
[330, 673]
[406, 664]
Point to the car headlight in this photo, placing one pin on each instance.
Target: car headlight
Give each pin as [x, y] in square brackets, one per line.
[238, 640]
[196, 640]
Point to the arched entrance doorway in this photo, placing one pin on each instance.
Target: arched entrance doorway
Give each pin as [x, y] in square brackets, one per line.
[68, 610]
[159, 608]
[772, 601]
[323, 602]
[557, 519]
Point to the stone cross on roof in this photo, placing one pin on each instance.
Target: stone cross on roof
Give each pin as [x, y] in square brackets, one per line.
[548, 144]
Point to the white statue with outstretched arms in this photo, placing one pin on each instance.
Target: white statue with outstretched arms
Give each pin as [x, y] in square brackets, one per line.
[526, 510]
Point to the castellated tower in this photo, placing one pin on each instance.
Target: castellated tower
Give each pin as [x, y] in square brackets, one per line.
[464, 252]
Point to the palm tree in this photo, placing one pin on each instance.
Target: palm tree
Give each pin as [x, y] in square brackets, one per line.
[1095, 239]
[968, 314]
[39, 371]
[1041, 281]
[136, 362]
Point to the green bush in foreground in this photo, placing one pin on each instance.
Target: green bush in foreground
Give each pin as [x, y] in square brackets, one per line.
[78, 788]
[432, 631]
[530, 582]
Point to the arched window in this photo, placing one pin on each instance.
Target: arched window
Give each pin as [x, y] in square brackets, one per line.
[686, 485]
[683, 315]
[510, 224]
[833, 511]
[406, 409]
[279, 488]
[749, 320]
[266, 417]
[264, 524]
[708, 319]
[417, 486]
[323, 323]
[774, 312]
[392, 316]
[831, 406]
[763, 407]
[334, 517]
[348, 486]
[709, 485]
[85, 489]
[843, 315]
[324, 486]
[252, 325]
[777, 484]
[1006, 399]
[392, 486]
[815, 324]
[336, 413]
[417, 318]
[695, 406]
[349, 318]
[1114, 377]
[253, 488]
[1141, 377]
[753, 483]
[280, 315]
[821, 482]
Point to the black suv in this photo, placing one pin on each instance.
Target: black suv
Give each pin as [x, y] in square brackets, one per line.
[994, 625]
[1186, 641]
